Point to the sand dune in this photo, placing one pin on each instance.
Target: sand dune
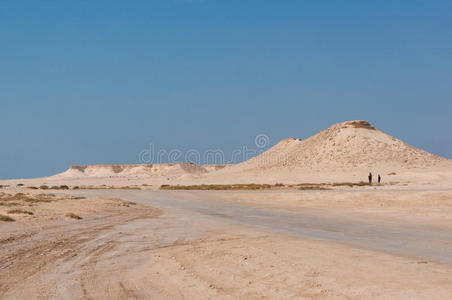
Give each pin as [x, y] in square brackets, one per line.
[350, 144]
[345, 151]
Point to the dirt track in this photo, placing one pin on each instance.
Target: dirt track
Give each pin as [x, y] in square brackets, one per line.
[42, 262]
[201, 247]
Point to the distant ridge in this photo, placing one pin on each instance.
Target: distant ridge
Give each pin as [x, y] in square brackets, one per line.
[137, 170]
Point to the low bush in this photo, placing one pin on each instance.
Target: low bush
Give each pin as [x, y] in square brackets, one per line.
[20, 211]
[217, 187]
[351, 184]
[6, 218]
[61, 187]
[73, 216]
[28, 198]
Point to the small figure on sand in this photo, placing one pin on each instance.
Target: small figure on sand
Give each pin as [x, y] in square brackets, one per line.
[379, 178]
[370, 178]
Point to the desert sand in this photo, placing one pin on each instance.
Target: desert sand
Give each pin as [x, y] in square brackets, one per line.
[332, 241]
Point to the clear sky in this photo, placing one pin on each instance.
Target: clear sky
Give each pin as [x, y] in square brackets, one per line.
[90, 82]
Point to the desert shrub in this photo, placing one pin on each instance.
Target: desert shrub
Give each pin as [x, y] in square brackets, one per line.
[33, 188]
[28, 198]
[8, 204]
[73, 216]
[6, 218]
[16, 197]
[44, 187]
[313, 188]
[392, 173]
[20, 211]
[20, 184]
[75, 187]
[351, 184]
[217, 187]
[126, 188]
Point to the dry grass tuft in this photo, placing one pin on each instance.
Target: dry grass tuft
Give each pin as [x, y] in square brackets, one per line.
[27, 198]
[77, 197]
[105, 187]
[73, 216]
[61, 187]
[351, 184]
[6, 218]
[204, 187]
[20, 211]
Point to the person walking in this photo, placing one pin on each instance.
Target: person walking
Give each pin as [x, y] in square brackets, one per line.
[370, 178]
[379, 178]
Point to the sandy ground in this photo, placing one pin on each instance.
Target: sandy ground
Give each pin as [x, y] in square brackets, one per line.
[232, 245]
[420, 205]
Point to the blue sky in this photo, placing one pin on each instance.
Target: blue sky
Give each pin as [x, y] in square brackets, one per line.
[88, 82]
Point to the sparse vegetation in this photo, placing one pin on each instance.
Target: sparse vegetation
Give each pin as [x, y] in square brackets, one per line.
[253, 186]
[392, 173]
[27, 198]
[61, 187]
[73, 216]
[42, 198]
[351, 184]
[20, 184]
[104, 187]
[20, 211]
[216, 187]
[317, 187]
[126, 188]
[6, 218]
[44, 187]
[8, 204]
[310, 186]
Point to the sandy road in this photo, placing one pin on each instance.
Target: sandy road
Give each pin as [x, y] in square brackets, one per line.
[389, 235]
[204, 248]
